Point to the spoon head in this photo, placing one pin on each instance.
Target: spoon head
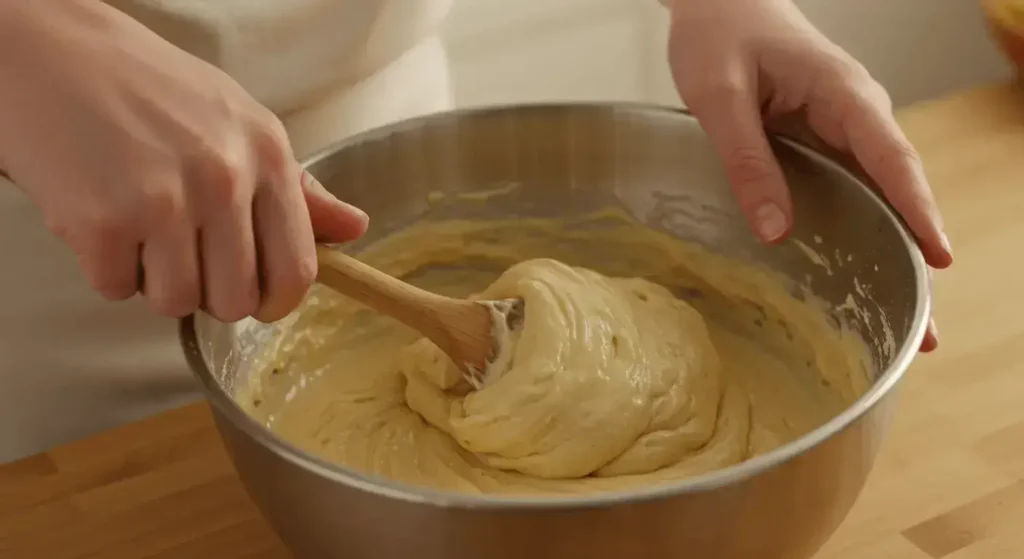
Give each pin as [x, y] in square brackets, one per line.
[513, 310]
[507, 317]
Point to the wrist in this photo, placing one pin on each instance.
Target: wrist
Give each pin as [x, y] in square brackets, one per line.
[11, 31]
[23, 28]
[10, 14]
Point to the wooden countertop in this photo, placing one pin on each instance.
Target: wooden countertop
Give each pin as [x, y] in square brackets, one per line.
[948, 484]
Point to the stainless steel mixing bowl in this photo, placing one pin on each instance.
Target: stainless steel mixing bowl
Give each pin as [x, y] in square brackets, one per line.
[567, 160]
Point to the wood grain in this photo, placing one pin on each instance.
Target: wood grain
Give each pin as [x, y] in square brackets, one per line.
[949, 483]
[461, 328]
[162, 488]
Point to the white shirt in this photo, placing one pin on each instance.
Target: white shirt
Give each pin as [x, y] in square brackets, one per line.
[312, 59]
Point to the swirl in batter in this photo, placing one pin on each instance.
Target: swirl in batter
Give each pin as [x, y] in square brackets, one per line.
[614, 380]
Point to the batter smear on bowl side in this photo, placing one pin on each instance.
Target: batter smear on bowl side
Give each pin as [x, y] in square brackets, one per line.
[641, 360]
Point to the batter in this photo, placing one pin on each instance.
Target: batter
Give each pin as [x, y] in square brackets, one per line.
[669, 363]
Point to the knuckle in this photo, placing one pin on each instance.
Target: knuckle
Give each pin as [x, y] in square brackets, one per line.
[289, 292]
[230, 313]
[305, 272]
[854, 87]
[177, 301]
[234, 308]
[162, 205]
[894, 162]
[901, 152]
[849, 70]
[100, 238]
[113, 288]
[111, 285]
[274, 146]
[272, 312]
[274, 130]
[876, 94]
[832, 65]
[748, 165]
[714, 91]
[96, 228]
[858, 100]
[223, 182]
[228, 186]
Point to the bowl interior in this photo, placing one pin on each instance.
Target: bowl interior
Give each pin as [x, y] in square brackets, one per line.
[847, 247]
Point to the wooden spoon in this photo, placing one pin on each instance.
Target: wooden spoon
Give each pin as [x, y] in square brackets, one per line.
[469, 332]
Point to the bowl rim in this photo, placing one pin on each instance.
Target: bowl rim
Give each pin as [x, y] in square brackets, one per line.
[734, 474]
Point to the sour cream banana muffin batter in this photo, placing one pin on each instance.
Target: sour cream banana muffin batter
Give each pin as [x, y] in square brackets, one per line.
[671, 362]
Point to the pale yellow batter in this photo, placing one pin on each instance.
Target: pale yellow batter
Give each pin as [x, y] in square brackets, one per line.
[674, 363]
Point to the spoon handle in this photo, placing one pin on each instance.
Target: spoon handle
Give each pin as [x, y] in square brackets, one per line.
[462, 329]
[414, 307]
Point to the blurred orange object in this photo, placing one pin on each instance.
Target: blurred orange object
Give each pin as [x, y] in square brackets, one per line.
[1006, 20]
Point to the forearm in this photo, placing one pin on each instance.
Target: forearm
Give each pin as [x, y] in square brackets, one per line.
[32, 36]
[8, 43]
[15, 51]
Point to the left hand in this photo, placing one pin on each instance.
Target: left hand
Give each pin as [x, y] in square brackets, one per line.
[741, 65]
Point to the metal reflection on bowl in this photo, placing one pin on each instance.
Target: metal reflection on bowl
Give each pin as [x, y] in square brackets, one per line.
[566, 160]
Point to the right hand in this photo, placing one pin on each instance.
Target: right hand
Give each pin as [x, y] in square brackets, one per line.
[163, 175]
[742, 65]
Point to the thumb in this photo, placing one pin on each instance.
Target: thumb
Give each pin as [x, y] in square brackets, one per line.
[333, 221]
[732, 120]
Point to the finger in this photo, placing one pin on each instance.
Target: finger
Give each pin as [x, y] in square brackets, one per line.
[222, 196]
[108, 254]
[886, 155]
[285, 251]
[112, 270]
[230, 273]
[171, 271]
[333, 221]
[284, 241]
[931, 337]
[730, 115]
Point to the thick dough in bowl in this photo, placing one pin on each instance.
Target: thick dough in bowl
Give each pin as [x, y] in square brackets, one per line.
[614, 380]
[608, 377]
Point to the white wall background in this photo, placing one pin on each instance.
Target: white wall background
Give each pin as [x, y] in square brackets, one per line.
[505, 50]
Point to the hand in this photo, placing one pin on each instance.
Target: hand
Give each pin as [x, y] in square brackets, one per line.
[744, 65]
[163, 175]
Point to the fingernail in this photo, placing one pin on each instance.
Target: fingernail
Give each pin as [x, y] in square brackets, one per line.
[362, 215]
[945, 244]
[771, 222]
[309, 181]
[934, 329]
